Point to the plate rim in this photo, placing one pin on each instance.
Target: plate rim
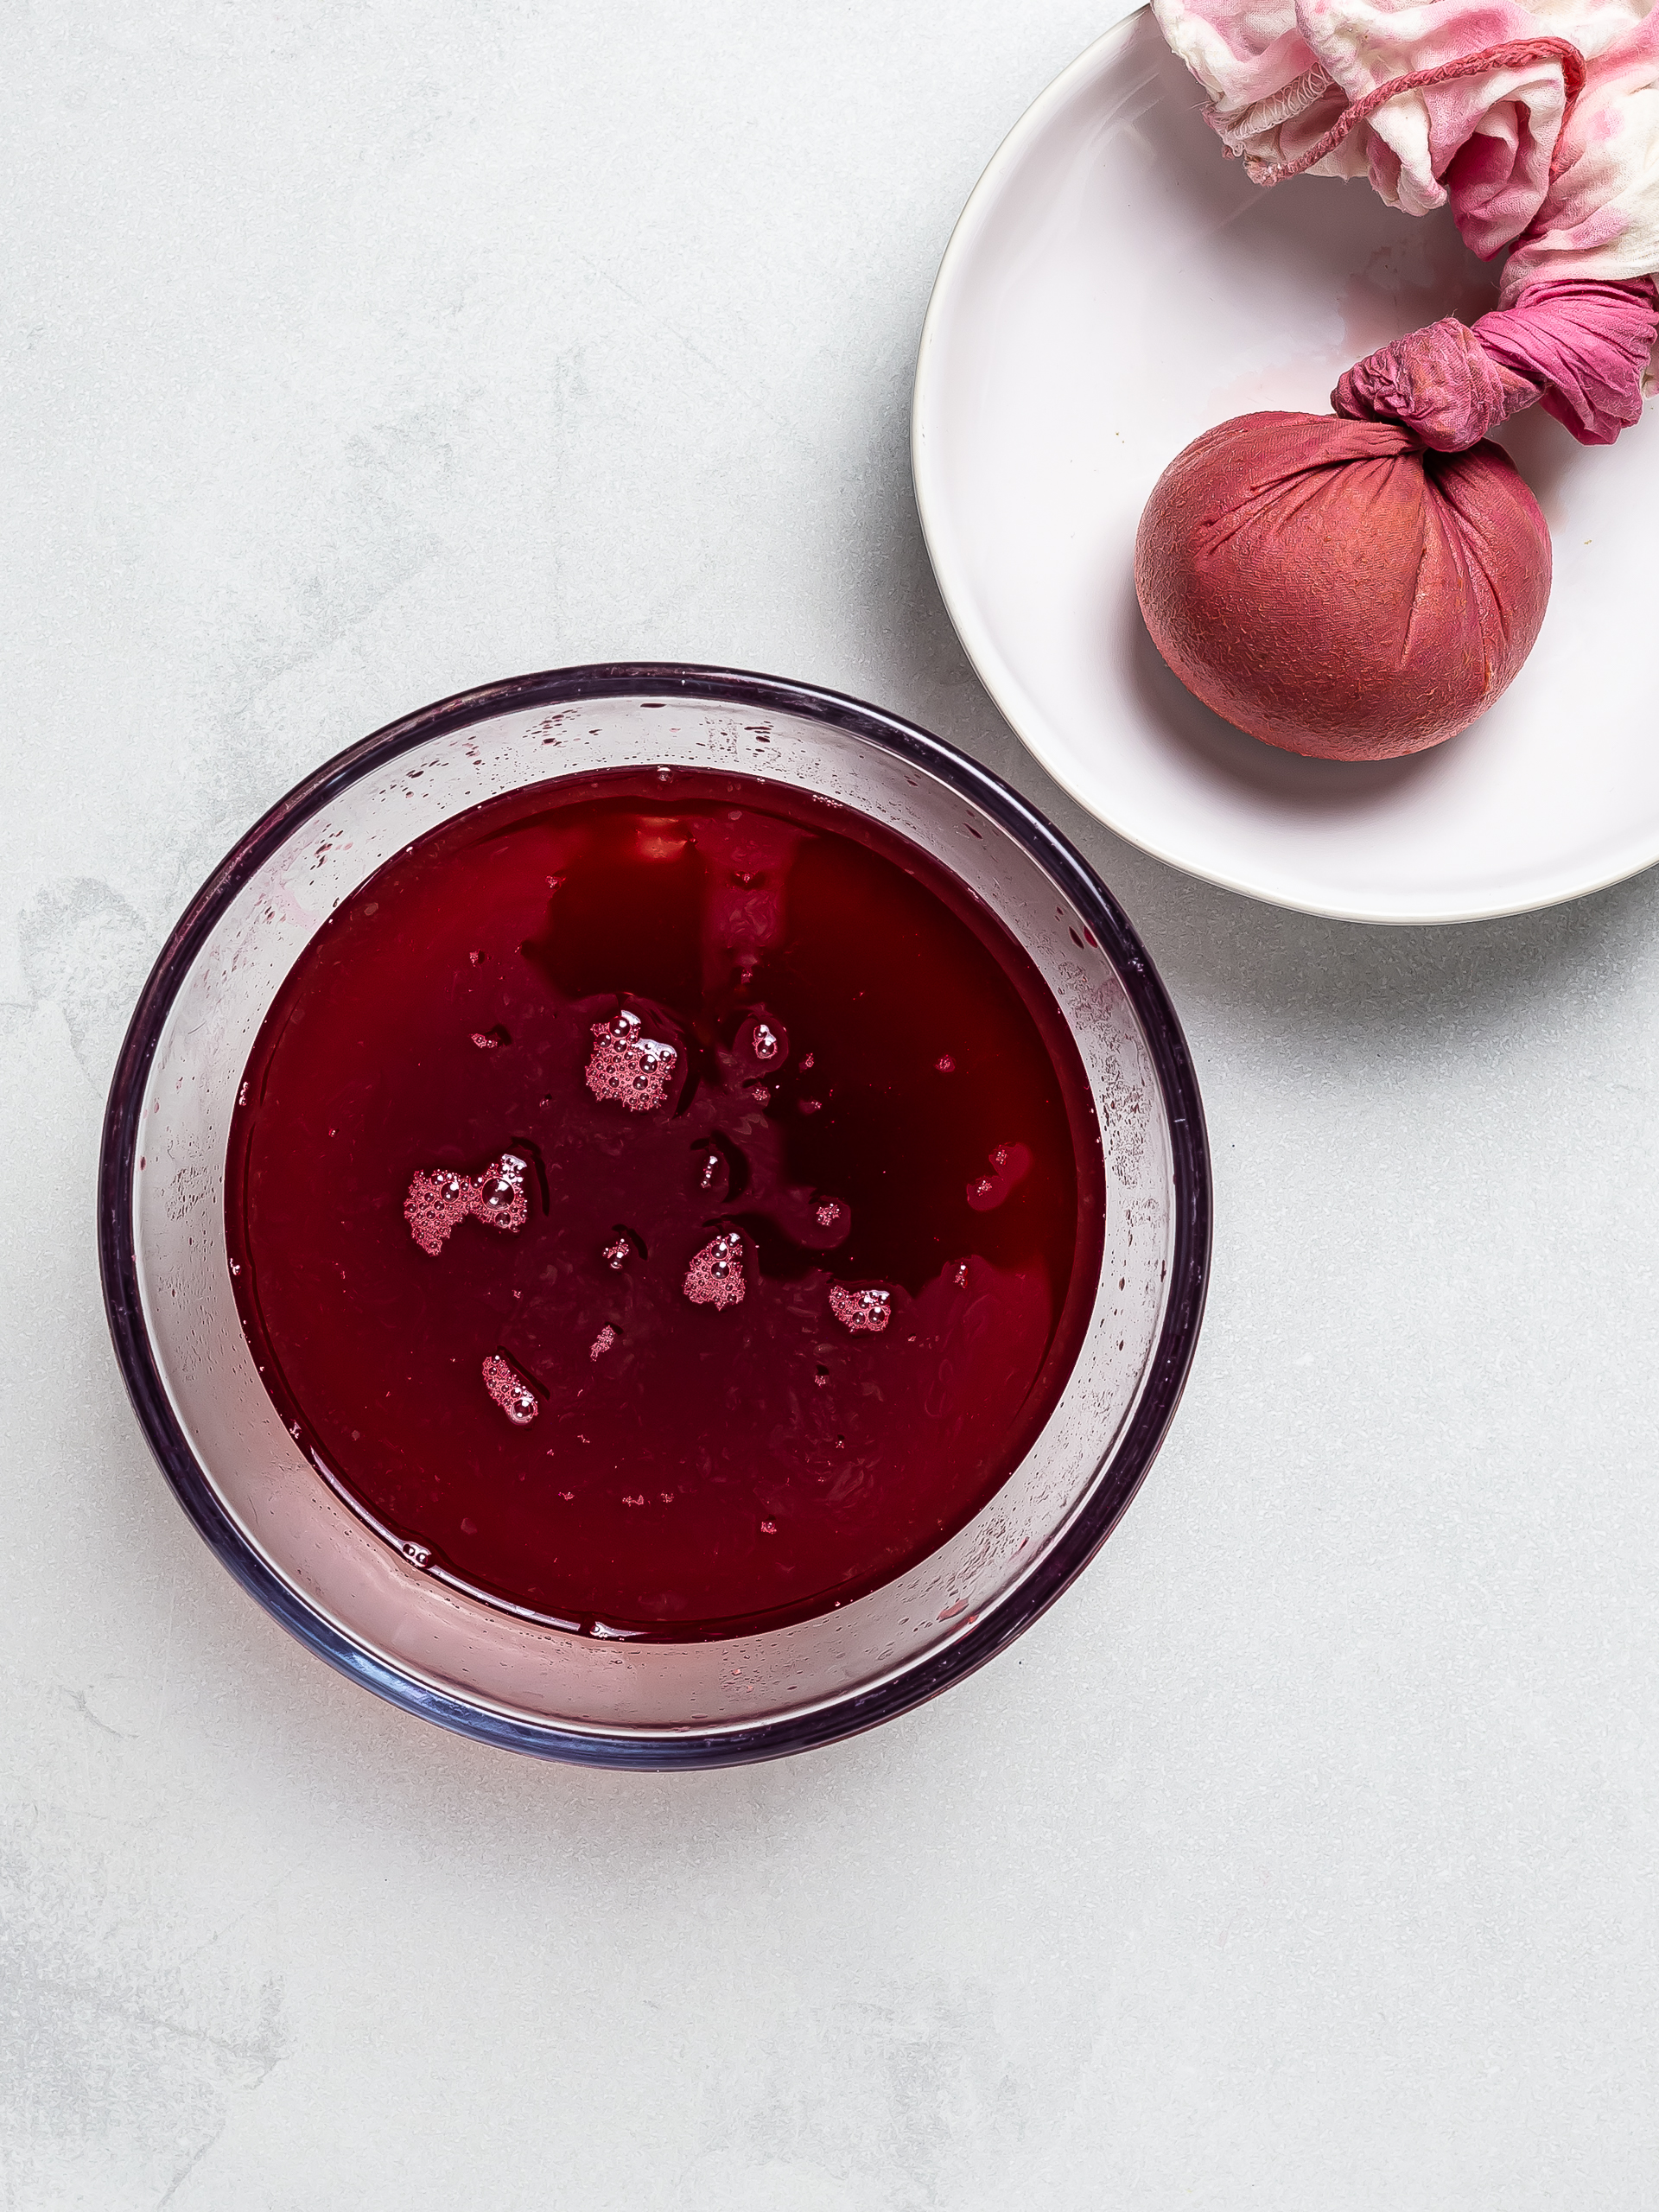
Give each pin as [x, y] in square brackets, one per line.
[1028, 721]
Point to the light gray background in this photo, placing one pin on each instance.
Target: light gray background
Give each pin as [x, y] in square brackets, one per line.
[1303, 1857]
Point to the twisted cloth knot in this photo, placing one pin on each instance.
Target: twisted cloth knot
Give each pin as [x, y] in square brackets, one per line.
[1578, 349]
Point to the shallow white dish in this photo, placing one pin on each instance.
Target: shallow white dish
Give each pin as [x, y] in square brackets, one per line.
[1113, 287]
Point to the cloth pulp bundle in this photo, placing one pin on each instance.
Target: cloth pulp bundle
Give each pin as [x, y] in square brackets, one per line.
[1367, 582]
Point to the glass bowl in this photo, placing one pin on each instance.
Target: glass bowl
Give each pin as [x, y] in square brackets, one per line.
[351, 1593]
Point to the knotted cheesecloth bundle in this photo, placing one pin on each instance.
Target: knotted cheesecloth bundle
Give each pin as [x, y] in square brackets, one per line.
[1365, 583]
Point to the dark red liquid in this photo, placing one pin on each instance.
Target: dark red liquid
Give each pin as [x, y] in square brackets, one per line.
[661, 1203]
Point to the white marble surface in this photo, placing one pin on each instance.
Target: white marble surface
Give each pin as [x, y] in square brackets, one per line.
[1303, 1857]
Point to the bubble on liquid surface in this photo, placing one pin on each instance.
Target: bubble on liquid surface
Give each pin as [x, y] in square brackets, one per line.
[715, 1274]
[511, 1390]
[628, 1066]
[764, 1040]
[602, 1342]
[438, 1203]
[439, 1200]
[861, 1312]
[1010, 1164]
[502, 1201]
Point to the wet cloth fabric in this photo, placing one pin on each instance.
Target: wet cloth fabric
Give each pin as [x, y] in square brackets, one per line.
[1579, 350]
[1537, 126]
[1336, 588]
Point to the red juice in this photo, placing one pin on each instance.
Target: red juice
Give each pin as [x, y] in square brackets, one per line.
[665, 1204]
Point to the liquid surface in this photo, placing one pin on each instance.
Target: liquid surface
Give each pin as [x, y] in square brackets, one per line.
[663, 1203]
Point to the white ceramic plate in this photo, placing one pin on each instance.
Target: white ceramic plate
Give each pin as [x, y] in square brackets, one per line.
[1113, 287]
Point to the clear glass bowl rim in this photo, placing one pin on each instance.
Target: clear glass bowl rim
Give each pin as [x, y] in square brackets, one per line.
[1189, 1267]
